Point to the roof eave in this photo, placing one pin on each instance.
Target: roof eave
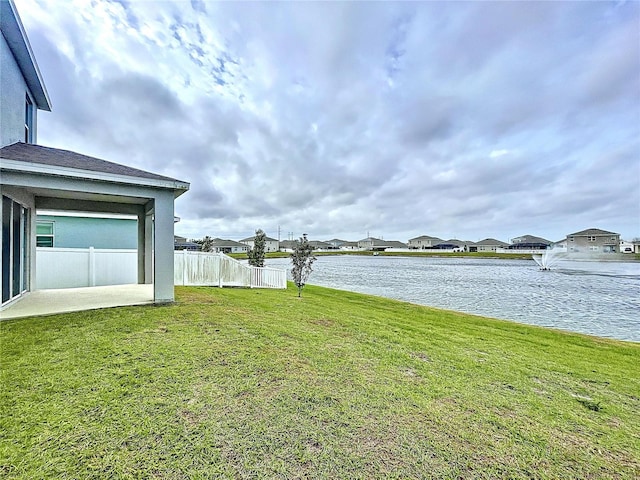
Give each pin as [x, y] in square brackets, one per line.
[18, 42]
[178, 186]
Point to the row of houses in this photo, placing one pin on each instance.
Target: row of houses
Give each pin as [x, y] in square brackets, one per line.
[592, 240]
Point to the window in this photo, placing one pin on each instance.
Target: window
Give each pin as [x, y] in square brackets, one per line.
[44, 234]
[28, 120]
[591, 239]
[593, 248]
[571, 239]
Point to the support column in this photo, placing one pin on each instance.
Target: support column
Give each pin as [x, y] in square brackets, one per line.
[163, 248]
[142, 244]
[148, 245]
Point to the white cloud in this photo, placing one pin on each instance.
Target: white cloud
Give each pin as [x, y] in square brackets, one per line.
[499, 153]
[338, 118]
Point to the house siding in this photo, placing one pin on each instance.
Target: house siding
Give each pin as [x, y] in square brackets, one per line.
[270, 244]
[14, 91]
[421, 243]
[600, 244]
[85, 232]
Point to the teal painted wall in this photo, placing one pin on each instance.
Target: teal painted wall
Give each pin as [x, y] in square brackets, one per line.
[85, 232]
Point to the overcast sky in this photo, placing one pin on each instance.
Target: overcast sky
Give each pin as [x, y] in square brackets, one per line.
[465, 120]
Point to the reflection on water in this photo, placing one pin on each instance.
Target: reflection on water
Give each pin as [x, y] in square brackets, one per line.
[598, 298]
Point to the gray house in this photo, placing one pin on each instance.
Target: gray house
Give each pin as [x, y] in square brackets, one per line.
[229, 246]
[372, 243]
[320, 245]
[424, 242]
[181, 243]
[270, 245]
[488, 245]
[34, 177]
[376, 244]
[593, 240]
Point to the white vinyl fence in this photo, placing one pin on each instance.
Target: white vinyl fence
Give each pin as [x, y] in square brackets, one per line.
[84, 267]
[220, 270]
[90, 267]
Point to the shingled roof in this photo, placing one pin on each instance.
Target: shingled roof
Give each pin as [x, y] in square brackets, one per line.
[491, 241]
[221, 242]
[530, 239]
[425, 237]
[55, 157]
[591, 232]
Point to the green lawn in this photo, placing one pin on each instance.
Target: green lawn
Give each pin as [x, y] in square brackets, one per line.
[260, 384]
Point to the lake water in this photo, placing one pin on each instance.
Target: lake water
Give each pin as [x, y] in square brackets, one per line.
[597, 298]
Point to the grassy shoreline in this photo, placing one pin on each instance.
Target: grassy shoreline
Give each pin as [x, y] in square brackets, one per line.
[492, 255]
[256, 383]
[362, 253]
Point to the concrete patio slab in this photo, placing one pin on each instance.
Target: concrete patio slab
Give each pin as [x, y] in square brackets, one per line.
[49, 302]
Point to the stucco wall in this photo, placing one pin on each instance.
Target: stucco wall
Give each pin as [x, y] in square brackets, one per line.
[12, 106]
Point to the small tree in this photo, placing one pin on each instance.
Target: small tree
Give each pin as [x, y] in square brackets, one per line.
[256, 254]
[206, 244]
[302, 258]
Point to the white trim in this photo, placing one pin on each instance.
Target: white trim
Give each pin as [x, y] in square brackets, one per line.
[64, 213]
[16, 165]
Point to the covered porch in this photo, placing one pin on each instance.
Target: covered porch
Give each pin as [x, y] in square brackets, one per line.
[35, 177]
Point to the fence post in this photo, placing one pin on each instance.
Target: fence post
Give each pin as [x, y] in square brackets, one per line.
[184, 267]
[92, 267]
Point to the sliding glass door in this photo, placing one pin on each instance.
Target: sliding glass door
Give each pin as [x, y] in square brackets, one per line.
[14, 249]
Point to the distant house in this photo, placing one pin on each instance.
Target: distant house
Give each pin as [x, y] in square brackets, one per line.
[454, 244]
[488, 245]
[229, 246]
[376, 244]
[447, 245]
[529, 242]
[181, 243]
[349, 246]
[371, 243]
[271, 244]
[84, 230]
[397, 245]
[336, 242]
[287, 245]
[34, 177]
[560, 245]
[626, 247]
[593, 240]
[319, 245]
[424, 242]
